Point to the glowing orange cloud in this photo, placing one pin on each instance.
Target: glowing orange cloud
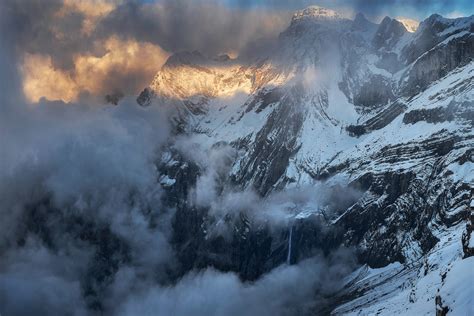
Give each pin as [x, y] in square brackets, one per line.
[92, 10]
[126, 65]
[40, 79]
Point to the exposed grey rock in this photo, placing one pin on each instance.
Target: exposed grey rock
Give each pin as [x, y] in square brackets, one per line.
[438, 62]
[275, 143]
[378, 121]
[388, 34]
[375, 92]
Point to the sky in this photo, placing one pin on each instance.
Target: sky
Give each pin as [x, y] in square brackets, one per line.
[416, 9]
[67, 160]
[93, 48]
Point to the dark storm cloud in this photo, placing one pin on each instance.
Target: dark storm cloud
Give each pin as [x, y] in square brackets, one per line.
[55, 30]
[38, 29]
[87, 160]
[207, 26]
[413, 8]
[287, 290]
[417, 9]
[97, 164]
[54, 34]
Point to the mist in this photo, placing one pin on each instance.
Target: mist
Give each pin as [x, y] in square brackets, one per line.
[84, 229]
[68, 49]
[286, 290]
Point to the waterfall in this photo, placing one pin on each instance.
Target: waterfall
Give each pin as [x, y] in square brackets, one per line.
[288, 258]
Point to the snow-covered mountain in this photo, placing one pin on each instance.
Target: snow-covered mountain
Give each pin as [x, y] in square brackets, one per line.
[384, 111]
[410, 24]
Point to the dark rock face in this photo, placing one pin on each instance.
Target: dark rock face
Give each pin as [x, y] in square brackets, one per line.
[440, 309]
[388, 33]
[263, 99]
[375, 92]
[395, 212]
[427, 39]
[362, 24]
[109, 250]
[378, 121]
[274, 144]
[249, 249]
[186, 58]
[468, 233]
[454, 111]
[390, 62]
[435, 115]
[114, 98]
[377, 226]
[246, 249]
[431, 32]
[438, 62]
[145, 97]
[389, 223]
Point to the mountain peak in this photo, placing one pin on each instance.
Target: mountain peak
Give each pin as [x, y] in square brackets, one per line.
[388, 33]
[360, 17]
[316, 12]
[410, 24]
[185, 58]
[361, 23]
[386, 20]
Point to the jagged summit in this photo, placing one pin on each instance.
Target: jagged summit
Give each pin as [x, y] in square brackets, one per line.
[361, 23]
[316, 13]
[222, 58]
[197, 59]
[438, 24]
[387, 111]
[186, 58]
[388, 33]
[360, 18]
[410, 24]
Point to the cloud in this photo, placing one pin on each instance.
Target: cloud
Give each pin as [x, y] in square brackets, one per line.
[224, 201]
[96, 165]
[286, 290]
[41, 79]
[122, 43]
[207, 26]
[377, 9]
[34, 278]
[419, 9]
[82, 218]
[126, 66]
[78, 196]
[64, 57]
[92, 10]
[100, 47]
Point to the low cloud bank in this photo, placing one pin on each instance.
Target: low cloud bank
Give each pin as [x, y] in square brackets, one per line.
[84, 231]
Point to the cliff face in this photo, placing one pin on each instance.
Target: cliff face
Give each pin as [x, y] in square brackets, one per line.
[347, 134]
[377, 109]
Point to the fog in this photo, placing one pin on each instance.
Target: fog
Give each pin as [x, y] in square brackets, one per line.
[84, 230]
[73, 163]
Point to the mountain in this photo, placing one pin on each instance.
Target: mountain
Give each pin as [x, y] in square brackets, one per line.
[378, 109]
[410, 24]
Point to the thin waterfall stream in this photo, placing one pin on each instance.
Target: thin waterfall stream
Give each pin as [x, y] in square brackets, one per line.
[288, 257]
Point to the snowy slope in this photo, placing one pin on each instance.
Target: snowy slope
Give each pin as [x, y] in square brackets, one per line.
[383, 110]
